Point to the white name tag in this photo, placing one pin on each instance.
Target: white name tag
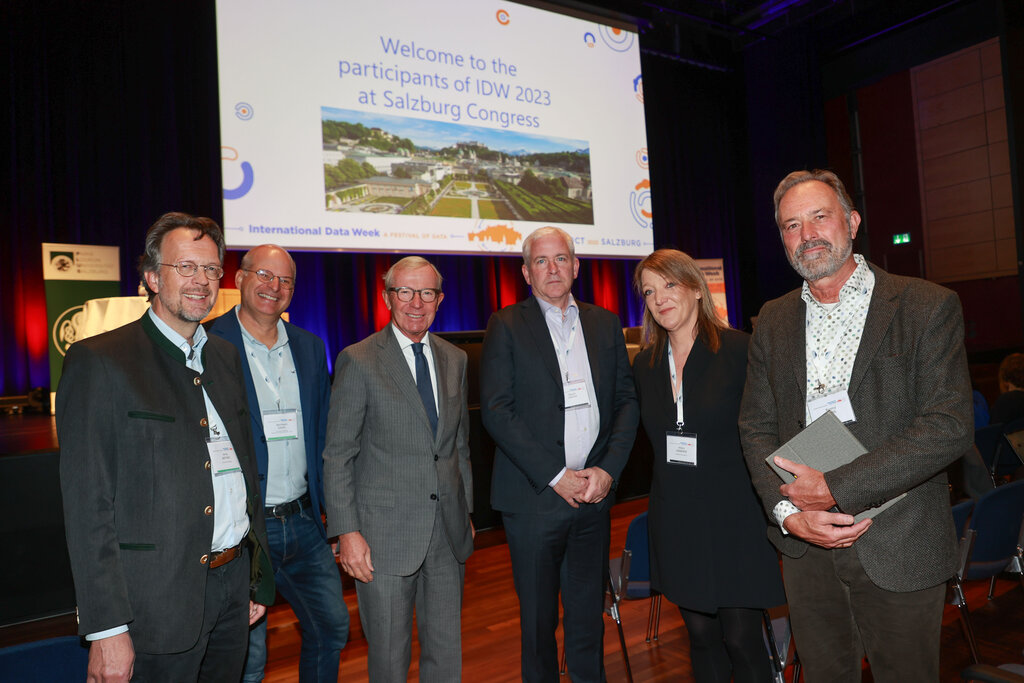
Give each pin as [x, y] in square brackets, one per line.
[681, 448]
[838, 403]
[280, 424]
[576, 395]
[222, 456]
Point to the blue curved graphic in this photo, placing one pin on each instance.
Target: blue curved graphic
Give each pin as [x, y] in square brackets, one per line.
[590, 39]
[246, 185]
[243, 110]
[637, 202]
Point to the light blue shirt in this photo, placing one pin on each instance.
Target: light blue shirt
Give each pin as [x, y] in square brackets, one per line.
[277, 388]
[581, 423]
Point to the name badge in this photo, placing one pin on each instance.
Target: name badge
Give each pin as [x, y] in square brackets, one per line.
[279, 425]
[838, 403]
[222, 456]
[681, 448]
[576, 395]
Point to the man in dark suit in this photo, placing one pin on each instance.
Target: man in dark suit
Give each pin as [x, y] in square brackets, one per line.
[557, 397]
[285, 370]
[891, 348]
[398, 482]
[159, 479]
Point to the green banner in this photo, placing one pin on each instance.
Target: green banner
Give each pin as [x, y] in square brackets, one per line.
[73, 274]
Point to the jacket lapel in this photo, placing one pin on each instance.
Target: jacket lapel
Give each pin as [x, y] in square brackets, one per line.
[396, 366]
[591, 333]
[881, 311]
[533, 317]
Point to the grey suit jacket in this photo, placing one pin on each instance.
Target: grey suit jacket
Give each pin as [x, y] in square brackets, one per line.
[136, 483]
[384, 472]
[911, 395]
[521, 402]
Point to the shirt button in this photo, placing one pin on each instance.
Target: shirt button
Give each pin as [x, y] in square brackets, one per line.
[207, 465]
[435, 457]
[204, 559]
[204, 422]
[197, 381]
[433, 496]
[208, 510]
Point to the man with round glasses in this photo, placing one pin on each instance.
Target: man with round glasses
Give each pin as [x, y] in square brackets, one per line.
[285, 371]
[398, 482]
[158, 474]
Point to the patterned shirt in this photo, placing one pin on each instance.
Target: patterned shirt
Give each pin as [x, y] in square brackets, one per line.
[832, 334]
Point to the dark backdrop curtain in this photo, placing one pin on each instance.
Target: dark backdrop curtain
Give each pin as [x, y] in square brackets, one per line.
[111, 120]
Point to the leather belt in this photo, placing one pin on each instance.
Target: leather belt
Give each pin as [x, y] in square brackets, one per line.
[282, 510]
[222, 557]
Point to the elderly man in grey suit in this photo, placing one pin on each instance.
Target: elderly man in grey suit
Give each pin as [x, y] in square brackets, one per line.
[891, 349]
[397, 480]
[159, 481]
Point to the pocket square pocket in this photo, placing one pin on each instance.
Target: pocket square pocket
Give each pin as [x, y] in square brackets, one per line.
[146, 415]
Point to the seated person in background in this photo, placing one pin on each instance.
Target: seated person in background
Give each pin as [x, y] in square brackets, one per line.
[1010, 404]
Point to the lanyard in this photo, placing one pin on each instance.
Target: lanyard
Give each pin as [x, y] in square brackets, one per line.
[274, 388]
[678, 398]
[564, 350]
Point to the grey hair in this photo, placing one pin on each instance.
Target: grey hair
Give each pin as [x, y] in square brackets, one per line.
[151, 258]
[544, 232]
[408, 263]
[827, 177]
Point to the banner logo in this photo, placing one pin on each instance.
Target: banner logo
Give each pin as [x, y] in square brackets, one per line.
[68, 328]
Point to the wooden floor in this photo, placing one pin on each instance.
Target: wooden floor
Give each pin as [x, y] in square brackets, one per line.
[490, 627]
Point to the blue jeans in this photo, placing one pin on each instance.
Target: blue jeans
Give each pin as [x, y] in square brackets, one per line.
[307, 576]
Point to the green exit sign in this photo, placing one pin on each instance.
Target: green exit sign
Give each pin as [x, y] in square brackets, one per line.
[902, 238]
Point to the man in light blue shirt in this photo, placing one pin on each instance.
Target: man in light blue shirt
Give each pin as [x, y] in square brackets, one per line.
[285, 371]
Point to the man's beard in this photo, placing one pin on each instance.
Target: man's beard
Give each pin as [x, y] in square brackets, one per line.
[824, 265]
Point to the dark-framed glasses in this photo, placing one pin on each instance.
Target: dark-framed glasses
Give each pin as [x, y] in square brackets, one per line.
[264, 275]
[188, 269]
[427, 296]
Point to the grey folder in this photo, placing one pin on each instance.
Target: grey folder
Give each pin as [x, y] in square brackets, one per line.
[825, 444]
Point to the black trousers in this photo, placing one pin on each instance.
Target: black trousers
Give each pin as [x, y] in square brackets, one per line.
[567, 553]
[219, 653]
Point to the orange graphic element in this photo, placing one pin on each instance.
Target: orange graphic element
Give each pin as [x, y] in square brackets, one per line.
[643, 185]
[716, 287]
[616, 31]
[496, 233]
[502, 17]
[228, 153]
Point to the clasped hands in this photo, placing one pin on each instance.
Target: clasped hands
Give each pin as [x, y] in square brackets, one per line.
[814, 523]
[590, 485]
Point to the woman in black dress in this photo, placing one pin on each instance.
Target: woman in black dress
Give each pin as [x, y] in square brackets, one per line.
[709, 551]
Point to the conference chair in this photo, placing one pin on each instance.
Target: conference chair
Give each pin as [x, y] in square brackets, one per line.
[991, 545]
[987, 440]
[961, 513]
[639, 585]
[778, 639]
[1006, 458]
[45, 661]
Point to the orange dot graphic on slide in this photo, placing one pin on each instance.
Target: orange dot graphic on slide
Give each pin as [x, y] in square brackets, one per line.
[616, 31]
[502, 17]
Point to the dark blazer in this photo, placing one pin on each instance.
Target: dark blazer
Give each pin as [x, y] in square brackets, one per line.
[911, 395]
[310, 359]
[135, 477]
[707, 529]
[383, 469]
[522, 403]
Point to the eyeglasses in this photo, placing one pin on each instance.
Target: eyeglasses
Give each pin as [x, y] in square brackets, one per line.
[427, 296]
[188, 269]
[266, 276]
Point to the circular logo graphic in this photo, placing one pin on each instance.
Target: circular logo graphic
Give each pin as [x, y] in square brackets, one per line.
[62, 262]
[638, 88]
[616, 38]
[68, 328]
[589, 39]
[243, 110]
[642, 159]
[502, 17]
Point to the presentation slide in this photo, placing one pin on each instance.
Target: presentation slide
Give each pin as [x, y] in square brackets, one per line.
[456, 126]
